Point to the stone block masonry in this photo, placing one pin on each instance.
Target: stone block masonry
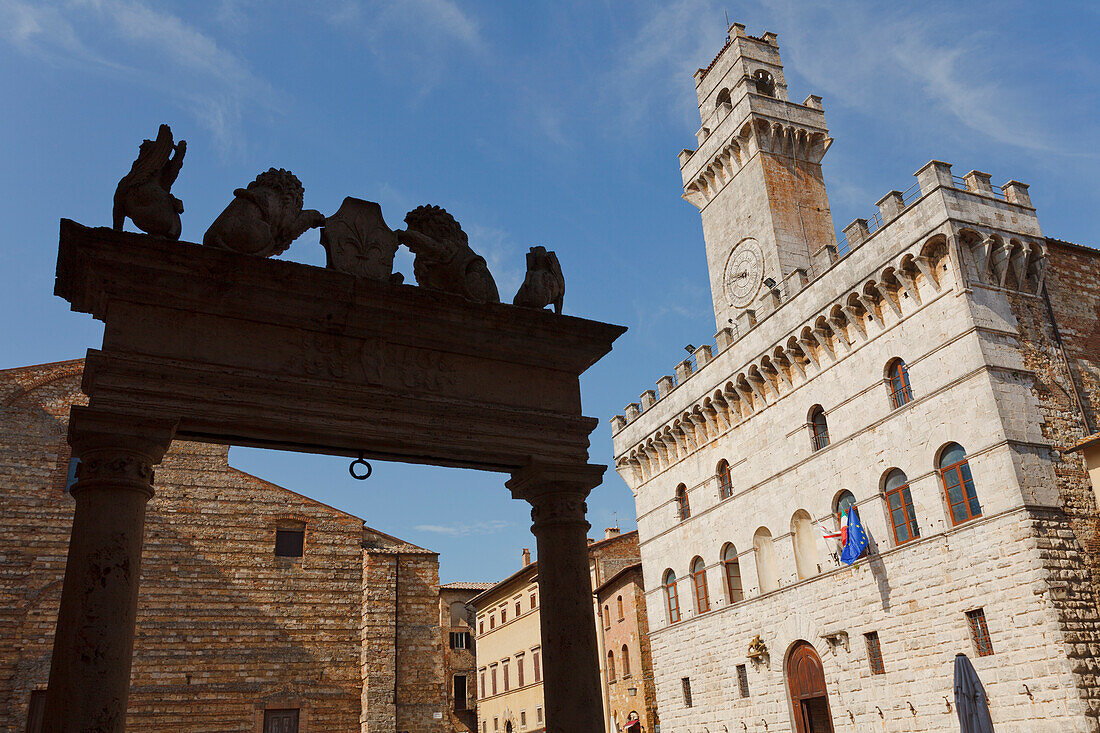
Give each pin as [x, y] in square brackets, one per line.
[225, 628]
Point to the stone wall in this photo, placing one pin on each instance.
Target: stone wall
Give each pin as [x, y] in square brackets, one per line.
[225, 628]
[461, 718]
[1064, 358]
[631, 631]
[915, 596]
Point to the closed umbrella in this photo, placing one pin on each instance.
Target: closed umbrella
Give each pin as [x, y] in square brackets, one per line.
[971, 703]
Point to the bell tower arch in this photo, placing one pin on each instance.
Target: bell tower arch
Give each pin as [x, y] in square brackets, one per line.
[756, 177]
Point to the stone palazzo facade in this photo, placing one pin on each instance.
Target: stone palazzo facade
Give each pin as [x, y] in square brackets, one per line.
[935, 370]
[261, 609]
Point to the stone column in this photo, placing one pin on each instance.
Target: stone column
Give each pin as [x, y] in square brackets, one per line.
[570, 659]
[94, 640]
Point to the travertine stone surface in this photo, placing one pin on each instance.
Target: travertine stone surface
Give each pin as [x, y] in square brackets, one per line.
[224, 628]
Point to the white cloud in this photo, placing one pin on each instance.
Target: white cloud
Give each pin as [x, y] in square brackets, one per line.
[151, 47]
[417, 40]
[885, 60]
[465, 529]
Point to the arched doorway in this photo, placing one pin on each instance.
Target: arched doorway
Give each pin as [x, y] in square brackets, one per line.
[809, 698]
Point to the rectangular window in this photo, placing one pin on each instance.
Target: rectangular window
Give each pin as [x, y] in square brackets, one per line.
[281, 721]
[533, 604]
[481, 626]
[493, 678]
[979, 631]
[874, 653]
[483, 683]
[503, 616]
[536, 668]
[460, 692]
[902, 517]
[523, 720]
[460, 639]
[289, 542]
[685, 683]
[538, 715]
[36, 711]
[519, 669]
[742, 680]
[504, 674]
[492, 622]
[496, 723]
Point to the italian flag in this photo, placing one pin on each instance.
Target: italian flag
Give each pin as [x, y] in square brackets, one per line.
[841, 535]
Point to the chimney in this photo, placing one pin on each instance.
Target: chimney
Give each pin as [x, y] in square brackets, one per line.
[526, 557]
[611, 532]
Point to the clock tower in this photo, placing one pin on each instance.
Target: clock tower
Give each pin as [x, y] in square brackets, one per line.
[756, 179]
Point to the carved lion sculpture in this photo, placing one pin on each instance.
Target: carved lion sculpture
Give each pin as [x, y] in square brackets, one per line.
[444, 260]
[145, 193]
[264, 218]
[544, 283]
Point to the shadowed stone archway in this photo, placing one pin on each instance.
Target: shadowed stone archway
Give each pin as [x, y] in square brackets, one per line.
[211, 345]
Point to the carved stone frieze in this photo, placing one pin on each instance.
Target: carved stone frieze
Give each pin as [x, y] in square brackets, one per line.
[373, 361]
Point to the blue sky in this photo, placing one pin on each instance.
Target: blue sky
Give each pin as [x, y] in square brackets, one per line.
[552, 123]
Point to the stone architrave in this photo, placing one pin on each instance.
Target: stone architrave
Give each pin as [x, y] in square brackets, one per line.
[227, 348]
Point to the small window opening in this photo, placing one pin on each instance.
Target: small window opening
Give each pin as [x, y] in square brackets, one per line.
[685, 684]
[743, 680]
[874, 653]
[979, 631]
[290, 542]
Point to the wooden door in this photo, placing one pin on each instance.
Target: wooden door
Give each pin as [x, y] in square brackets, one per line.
[809, 698]
[281, 721]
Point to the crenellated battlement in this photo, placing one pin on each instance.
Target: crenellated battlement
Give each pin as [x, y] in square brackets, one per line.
[846, 314]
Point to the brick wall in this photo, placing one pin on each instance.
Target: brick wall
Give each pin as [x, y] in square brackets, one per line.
[224, 628]
[631, 631]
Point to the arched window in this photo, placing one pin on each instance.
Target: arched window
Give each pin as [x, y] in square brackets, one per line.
[723, 98]
[844, 501]
[958, 484]
[805, 544]
[672, 601]
[899, 502]
[699, 581]
[606, 617]
[619, 602]
[733, 574]
[767, 570]
[765, 82]
[725, 481]
[819, 428]
[682, 502]
[625, 654]
[610, 666]
[897, 381]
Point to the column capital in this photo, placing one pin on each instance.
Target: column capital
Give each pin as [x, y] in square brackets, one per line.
[117, 449]
[538, 478]
[556, 492]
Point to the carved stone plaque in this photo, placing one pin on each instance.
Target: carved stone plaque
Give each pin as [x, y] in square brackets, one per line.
[359, 243]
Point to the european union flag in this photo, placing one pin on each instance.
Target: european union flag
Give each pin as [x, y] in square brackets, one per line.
[857, 538]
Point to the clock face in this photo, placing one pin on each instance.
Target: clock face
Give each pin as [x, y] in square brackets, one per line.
[744, 273]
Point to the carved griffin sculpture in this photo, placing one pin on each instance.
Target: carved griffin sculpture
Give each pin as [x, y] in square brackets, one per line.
[544, 283]
[264, 218]
[145, 193]
[443, 258]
